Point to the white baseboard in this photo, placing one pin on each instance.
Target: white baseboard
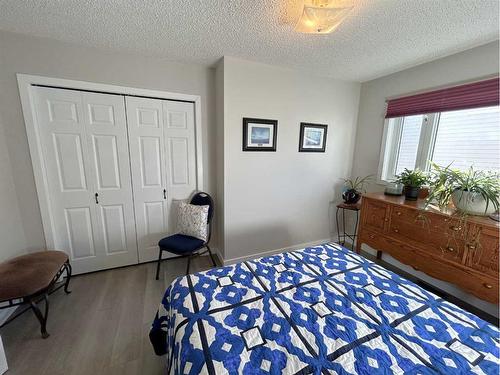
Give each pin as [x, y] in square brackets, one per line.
[227, 262]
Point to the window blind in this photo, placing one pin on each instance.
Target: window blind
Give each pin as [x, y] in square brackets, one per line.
[472, 95]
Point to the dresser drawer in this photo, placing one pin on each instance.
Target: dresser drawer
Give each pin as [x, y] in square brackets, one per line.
[483, 254]
[399, 213]
[374, 214]
[436, 243]
[481, 285]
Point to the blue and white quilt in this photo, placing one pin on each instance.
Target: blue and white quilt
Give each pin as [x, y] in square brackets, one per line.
[320, 310]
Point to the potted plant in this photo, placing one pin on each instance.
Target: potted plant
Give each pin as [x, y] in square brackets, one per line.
[353, 188]
[473, 192]
[413, 182]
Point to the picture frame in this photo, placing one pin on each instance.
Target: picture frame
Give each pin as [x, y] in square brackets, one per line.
[259, 134]
[312, 137]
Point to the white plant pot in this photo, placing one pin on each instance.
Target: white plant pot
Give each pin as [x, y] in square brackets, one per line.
[471, 203]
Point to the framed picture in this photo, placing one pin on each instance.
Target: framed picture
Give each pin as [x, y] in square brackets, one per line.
[259, 134]
[312, 137]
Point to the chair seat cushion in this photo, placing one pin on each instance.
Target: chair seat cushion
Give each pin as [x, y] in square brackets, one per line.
[180, 244]
[28, 274]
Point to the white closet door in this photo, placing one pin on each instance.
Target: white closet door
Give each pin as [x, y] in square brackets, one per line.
[146, 144]
[75, 153]
[180, 142]
[106, 127]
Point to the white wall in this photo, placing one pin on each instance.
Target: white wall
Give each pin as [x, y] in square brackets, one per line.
[274, 200]
[469, 65]
[20, 221]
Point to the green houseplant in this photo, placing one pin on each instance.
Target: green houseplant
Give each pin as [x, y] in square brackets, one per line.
[412, 180]
[473, 192]
[353, 188]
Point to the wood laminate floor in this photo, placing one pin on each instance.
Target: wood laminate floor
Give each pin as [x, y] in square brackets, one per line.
[102, 327]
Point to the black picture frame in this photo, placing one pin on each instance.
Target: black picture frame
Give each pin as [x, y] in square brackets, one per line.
[306, 125]
[268, 146]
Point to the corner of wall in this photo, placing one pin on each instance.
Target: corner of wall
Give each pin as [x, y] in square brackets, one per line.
[219, 146]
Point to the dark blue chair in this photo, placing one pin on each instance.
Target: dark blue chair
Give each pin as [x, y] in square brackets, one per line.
[187, 246]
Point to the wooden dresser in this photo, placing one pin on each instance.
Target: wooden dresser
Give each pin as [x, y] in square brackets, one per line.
[461, 252]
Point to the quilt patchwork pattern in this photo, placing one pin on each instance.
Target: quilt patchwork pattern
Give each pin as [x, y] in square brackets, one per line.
[320, 310]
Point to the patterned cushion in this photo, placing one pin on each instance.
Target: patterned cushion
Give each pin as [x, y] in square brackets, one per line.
[192, 220]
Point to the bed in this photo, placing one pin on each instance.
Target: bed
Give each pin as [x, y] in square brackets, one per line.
[322, 309]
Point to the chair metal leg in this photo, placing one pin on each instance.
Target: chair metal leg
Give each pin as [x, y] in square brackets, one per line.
[211, 256]
[68, 269]
[189, 261]
[42, 318]
[158, 265]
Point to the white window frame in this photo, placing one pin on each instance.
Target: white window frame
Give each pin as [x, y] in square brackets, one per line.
[390, 147]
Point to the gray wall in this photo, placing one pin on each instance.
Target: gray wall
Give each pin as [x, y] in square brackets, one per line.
[276, 200]
[21, 227]
[465, 66]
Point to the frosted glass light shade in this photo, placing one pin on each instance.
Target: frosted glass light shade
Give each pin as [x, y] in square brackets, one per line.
[321, 20]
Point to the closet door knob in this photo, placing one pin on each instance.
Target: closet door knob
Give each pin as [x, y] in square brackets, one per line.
[164, 193]
[96, 198]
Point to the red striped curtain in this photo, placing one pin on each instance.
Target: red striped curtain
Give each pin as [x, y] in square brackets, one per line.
[471, 95]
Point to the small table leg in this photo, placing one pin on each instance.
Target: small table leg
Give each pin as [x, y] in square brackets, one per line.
[338, 227]
[379, 255]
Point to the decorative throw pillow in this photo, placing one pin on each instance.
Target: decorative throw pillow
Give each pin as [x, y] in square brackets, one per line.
[192, 220]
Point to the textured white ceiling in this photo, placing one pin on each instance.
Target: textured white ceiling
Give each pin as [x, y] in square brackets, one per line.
[379, 37]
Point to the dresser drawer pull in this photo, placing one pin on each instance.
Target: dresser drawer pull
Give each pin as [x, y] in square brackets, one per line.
[396, 230]
[386, 220]
[398, 213]
[472, 247]
[487, 286]
[455, 228]
[451, 249]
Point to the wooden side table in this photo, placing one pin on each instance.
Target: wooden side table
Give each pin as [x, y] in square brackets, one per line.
[344, 235]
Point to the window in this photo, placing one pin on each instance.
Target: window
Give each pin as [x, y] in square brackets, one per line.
[461, 138]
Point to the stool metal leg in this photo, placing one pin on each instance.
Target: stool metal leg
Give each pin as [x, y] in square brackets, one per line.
[67, 267]
[41, 318]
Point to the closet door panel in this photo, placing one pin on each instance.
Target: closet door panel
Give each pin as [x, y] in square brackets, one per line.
[179, 125]
[150, 162]
[80, 232]
[69, 159]
[84, 145]
[113, 227]
[108, 144]
[181, 149]
[60, 117]
[147, 156]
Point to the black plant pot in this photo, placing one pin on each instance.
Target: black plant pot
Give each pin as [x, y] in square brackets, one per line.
[351, 196]
[411, 193]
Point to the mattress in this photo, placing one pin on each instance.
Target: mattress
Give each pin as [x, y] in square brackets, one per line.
[322, 309]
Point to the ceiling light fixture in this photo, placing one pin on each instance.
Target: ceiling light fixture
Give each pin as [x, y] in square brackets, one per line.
[320, 18]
